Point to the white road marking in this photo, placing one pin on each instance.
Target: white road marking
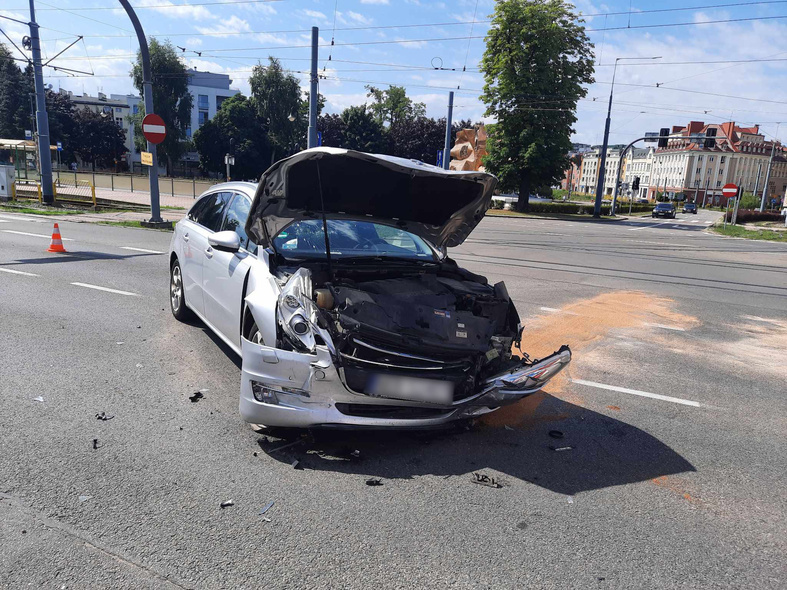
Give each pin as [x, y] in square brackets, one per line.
[24, 233]
[141, 250]
[645, 226]
[553, 310]
[107, 289]
[5, 221]
[708, 222]
[695, 220]
[664, 398]
[18, 272]
[666, 327]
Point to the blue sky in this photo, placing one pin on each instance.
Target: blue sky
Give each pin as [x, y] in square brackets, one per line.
[399, 42]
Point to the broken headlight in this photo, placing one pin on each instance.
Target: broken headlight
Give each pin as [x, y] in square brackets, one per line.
[295, 309]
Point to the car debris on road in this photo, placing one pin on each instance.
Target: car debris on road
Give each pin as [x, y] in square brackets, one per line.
[484, 480]
[226, 504]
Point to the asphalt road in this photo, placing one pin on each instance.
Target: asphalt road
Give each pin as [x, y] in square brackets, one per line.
[670, 473]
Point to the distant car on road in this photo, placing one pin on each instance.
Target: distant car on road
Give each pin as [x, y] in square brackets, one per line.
[643, 201]
[664, 210]
[690, 208]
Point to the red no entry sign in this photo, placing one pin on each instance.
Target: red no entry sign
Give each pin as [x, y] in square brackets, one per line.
[729, 190]
[153, 129]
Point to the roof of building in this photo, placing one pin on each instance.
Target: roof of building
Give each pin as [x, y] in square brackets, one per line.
[728, 138]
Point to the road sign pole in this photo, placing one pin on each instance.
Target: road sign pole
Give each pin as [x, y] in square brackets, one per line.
[448, 124]
[44, 155]
[147, 88]
[767, 177]
[313, 91]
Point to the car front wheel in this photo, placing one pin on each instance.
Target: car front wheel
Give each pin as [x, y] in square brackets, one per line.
[177, 296]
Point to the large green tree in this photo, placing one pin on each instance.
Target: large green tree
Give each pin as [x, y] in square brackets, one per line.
[236, 120]
[362, 131]
[277, 98]
[172, 100]
[537, 63]
[98, 139]
[332, 128]
[392, 105]
[14, 99]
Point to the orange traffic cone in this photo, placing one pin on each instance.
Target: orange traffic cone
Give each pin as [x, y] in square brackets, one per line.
[57, 241]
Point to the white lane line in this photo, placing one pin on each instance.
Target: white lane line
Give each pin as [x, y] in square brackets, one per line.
[18, 272]
[666, 327]
[695, 221]
[24, 233]
[141, 250]
[645, 226]
[553, 310]
[664, 398]
[707, 222]
[107, 289]
[5, 221]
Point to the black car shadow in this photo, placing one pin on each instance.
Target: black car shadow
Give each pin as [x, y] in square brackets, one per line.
[595, 451]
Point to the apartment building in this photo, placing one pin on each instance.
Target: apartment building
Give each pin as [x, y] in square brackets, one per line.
[116, 107]
[588, 177]
[740, 156]
[639, 163]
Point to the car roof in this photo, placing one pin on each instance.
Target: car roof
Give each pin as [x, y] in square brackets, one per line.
[247, 188]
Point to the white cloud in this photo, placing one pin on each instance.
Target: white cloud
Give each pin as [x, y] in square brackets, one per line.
[358, 17]
[226, 27]
[316, 14]
[374, 1]
[181, 11]
[193, 41]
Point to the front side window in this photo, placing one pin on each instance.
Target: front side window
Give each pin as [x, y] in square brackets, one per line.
[212, 213]
[235, 220]
[306, 239]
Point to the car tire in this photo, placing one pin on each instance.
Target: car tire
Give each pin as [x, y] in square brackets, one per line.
[255, 335]
[177, 295]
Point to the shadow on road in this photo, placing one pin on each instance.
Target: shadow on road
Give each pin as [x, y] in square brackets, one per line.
[81, 256]
[604, 451]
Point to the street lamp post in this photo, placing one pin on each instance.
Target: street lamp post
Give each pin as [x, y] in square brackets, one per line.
[605, 143]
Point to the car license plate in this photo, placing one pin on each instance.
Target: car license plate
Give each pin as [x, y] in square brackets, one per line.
[433, 391]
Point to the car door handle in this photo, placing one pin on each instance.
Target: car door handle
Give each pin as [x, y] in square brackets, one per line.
[186, 237]
[209, 252]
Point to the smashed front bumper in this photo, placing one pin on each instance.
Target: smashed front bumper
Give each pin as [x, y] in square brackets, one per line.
[300, 390]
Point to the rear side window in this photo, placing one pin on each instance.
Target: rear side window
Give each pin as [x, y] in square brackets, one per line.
[197, 208]
[211, 215]
[235, 220]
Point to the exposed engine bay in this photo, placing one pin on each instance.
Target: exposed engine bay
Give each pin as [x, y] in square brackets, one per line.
[439, 321]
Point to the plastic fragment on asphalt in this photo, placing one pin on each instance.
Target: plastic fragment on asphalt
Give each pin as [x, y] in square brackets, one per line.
[571, 499]
[484, 480]
[507, 427]
[296, 464]
[196, 396]
[374, 481]
[40, 398]
[95, 444]
[560, 448]
[84, 498]
[267, 507]
[103, 416]
[356, 454]
[297, 442]
[555, 434]
[139, 365]
[227, 503]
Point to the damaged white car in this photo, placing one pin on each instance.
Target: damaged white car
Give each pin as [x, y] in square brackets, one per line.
[331, 279]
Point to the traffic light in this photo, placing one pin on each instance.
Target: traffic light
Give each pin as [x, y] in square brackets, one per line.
[635, 184]
[710, 141]
[663, 133]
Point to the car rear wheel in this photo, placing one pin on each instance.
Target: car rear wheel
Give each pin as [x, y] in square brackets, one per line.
[177, 296]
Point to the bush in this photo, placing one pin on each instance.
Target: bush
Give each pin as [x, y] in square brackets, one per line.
[497, 204]
[582, 208]
[750, 216]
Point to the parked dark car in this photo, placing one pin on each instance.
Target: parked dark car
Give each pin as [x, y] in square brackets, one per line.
[690, 208]
[643, 201]
[664, 210]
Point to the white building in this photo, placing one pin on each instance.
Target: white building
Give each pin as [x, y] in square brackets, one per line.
[639, 163]
[116, 106]
[209, 91]
[588, 177]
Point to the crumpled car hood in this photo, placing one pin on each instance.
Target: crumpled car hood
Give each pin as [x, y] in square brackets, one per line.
[440, 206]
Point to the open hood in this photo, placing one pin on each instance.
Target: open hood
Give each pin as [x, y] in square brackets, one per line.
[440, 206]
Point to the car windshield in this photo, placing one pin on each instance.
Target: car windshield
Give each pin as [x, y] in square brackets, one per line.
[350, 239]
[664, 206]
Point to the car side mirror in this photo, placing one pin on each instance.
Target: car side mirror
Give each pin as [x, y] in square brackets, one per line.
[227, 241]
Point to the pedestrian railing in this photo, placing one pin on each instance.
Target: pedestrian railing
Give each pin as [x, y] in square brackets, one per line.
[64, 191]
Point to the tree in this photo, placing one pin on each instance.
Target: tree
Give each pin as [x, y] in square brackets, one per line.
[172, 100]
[362, 130]
[62, 122]
[393, 105]
[332, 128]
[537, 54]
[14, 97]
[419, 138]
[237, 119]
[277, 97]
[98, 139]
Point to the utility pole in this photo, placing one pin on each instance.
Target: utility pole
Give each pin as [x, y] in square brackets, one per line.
[147, 91]
[312, 138]
[767, 177]
[605, 143]
[448, 124]
[44, 155]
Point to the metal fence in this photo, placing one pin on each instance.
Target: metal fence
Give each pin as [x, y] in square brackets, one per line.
[176, 187]
[64, 190]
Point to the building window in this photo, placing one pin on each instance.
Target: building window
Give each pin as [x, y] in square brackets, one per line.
[219, 100]
[699, 171]
[136, 109]
[710, 158]
[119, 121]
[699, 158]
[721, 171]
[722, 160]
[718, 183]
[203, 118]
[202, 102]
[118, 110]
[188, 132]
